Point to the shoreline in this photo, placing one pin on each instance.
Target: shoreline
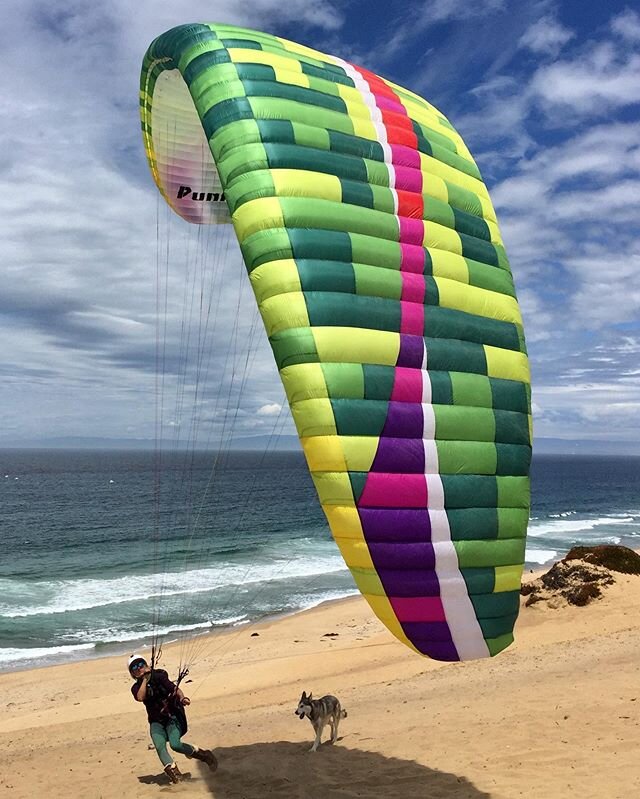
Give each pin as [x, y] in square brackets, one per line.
[555, 713]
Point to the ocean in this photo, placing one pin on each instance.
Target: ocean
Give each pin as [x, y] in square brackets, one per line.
[101, 548]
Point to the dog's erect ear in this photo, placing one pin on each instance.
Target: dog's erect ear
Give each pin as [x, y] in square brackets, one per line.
[303, 697]
[310, 695]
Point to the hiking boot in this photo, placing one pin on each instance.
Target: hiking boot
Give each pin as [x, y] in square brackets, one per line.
[173, 772]
[206, 756]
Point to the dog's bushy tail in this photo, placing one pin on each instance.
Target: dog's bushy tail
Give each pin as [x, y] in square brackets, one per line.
[343, 714]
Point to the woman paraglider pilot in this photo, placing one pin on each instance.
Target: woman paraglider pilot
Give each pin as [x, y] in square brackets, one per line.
[165, 703]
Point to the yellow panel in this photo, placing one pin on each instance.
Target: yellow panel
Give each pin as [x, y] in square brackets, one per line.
[284, 312]
[434, 186]
[487, 208]
[324, 454]
[364, 128]
[507, 364]
[356, 345]
[344, 521]
[309, 52]
[441, 238]
[261, 214]
[508, 578]
[304, 381]
[239, 55]
[286, 75]
[314, 417]
[478, 301]
[496, 238]
[275, 277]
[355, 553]
[340, 453]
[432, 166]
[449, 265]
[334, 488]
[302, 183]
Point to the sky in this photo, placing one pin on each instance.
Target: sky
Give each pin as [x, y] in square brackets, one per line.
[546, 95]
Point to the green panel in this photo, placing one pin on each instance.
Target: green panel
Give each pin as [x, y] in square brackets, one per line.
[490, 278]
[495, 606]
[354, 145]
[355, 193]
[471, 390]
[330, 245]
[441, 386]
[496, 645]
[471, 225]
[344, 380]
[509, 395]
[479, 580]
[352, 421]
[375, 251]
[501, 552]
[301, 212]
[378, 381]
[464, 200]
[473, 523]
[513, 459]
[294, 346]
[513, 492]
[438, 211]
[512, 522]
[467, 491]
[466, 457]
[308, 136]
[287, 156]
[383, 199]
[374, 281]
[326, 276]
[479, 250]
[455, 356]
[358, 480]
[512, 428]
[494, 628]
[448, 323]
[264, 246]
[349, 310]
[463, 423]
[280, 130]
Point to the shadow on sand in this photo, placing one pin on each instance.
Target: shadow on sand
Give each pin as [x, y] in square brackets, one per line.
[289, 770]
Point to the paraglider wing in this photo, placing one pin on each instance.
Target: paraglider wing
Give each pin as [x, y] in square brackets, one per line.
[377, 264]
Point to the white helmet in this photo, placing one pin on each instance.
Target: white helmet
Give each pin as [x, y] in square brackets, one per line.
[136, 659]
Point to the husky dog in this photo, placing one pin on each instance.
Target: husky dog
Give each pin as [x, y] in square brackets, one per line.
[321, 712]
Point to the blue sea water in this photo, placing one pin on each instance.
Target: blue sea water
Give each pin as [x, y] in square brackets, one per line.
[101, 548]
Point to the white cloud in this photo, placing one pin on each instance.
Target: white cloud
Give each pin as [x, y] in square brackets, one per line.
[271, 409]
[546, 36]
[627, 25]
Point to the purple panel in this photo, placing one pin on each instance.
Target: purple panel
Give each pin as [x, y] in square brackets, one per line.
[411, 351]
[408, 583]
[400, 555]
[399, 455]
[404, 420]
[432, 639]
[391, 524]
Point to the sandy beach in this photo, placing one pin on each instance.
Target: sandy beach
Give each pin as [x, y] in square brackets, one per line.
[555, 715]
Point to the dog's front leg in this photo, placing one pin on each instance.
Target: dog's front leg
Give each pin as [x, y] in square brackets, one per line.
[316, 743]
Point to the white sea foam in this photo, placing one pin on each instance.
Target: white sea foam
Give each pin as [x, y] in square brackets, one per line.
[570, 527]
[64, 596]
[14, 655]
[540, 556]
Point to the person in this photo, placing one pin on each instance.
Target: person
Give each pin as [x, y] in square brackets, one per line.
[165, 704]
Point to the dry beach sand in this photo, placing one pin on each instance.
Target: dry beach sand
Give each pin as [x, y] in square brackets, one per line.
[555, 715]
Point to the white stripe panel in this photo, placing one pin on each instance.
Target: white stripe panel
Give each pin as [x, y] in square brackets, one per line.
[424, 356]
[428, 423]
[427, 392]
[458, 608]
[430, 457]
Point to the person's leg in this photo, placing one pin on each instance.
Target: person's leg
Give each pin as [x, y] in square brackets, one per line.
[173, 733]
[191, 751]
[159, 738]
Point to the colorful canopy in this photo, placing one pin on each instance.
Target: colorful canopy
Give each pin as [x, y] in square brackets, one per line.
[374, 253]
